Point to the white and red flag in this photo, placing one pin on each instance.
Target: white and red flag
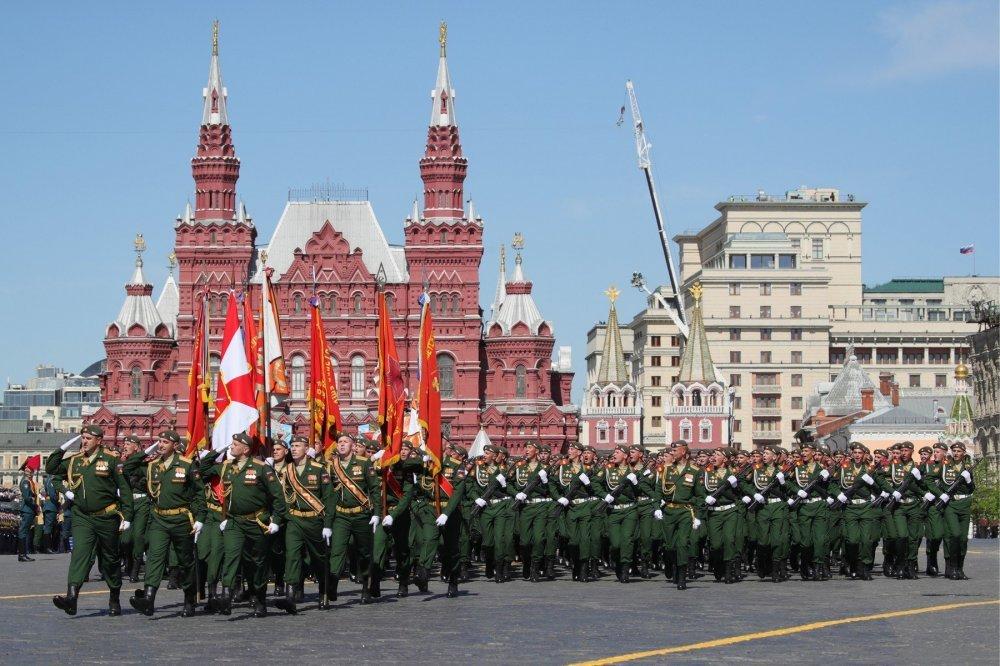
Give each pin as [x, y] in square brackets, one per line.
[235, 402]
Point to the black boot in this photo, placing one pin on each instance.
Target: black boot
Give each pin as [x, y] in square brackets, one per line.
[224, 602]
[190, 595]
[213, 594]
[932, 565]
[287, 603]
[67, 603]
[404, 586]
[133, 569]
[22, 551]
[422, 579]
[525, 564]
[173, 578]
[550, 568]
[680, 576]
[144, 600]
[463, 573]
[366, 595]
[500, 573]
[115, 602]
[452, 586]
[375, 583]
[534, 575]
[960, 565]
[260, 603]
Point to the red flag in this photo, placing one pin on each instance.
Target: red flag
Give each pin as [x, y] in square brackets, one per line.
[197, 420]
[32, 463]
[391, 396]
[275, 377]
[429, 391]
[324, 403]
[235, 405]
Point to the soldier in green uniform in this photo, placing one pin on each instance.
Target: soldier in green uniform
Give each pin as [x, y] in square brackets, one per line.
[102, 507]
[545, 457]
[619, 485]
[957, 506]
[677, 491]
[451, 527]
[135, 473]
[394, 536]
[771, 516]
[209, 544]
[455, 462]
[573, 492]
[29, 510]
[644, 508]
[860, 520]
[721, 488]
[177, 497]
[278, 459]
[308, 492]
[48, 498]
[494, 520]
[253, 508]
[596, 528]
[357, 495]
[423, 515]
[934, 520]
[530, 488]
[907, 494]
[811, 514]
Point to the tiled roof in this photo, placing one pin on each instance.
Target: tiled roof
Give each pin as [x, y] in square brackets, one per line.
[845, 394]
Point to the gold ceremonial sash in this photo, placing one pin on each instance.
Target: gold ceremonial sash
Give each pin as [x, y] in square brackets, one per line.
[347, 481]
[301, 490]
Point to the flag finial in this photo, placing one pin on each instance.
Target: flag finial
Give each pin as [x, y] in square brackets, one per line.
[443, 37]
[215, 37]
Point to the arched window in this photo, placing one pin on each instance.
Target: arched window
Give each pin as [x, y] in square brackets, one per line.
[334, 369]
[357, 303]
[330, 304]
[390, 301]
[456, 303]
[215, 303]
[357, 377]
[444, 236]
[696, 398]
[224, 305]
[520, 382]
[213, 373]
[297, 303]
[446, 375]
[686, 430]
[705, 430]
[434, 303]
[136, 387]
[298, 377]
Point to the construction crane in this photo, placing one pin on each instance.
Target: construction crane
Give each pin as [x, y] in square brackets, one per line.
[642, 146]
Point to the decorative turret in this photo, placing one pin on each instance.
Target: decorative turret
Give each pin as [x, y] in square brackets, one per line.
[696, 361]
[613, 357]
[168, 304]
[138, 317]
[959, 427]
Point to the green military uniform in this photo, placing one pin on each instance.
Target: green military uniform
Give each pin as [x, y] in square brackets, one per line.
[276, 542]
[423, 514]
[957, 514]
[357, 499]
[210, 549]
[677, 491]
[177, 498]
[722, 516]
[771, 521]
[102, 501]
[530, 488]
[308, 494]
[934, 529]
[451, 525]
[644, 515]
[572, 485]
[860, 519]
[622, 518]
[495, 521]
[453, 470]
[45, 527]
[906, 515]
[252, 500]
[394, 537]
[29, 510]
[134, 538]
[811, 516]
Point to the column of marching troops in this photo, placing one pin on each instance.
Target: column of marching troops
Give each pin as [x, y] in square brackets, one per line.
[227, 524]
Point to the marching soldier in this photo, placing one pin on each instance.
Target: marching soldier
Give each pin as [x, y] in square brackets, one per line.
[907, 494]
[677, 490]
[529, 485]
[102, 507]
[357, 496]
[253, 508]
[932, 469]
[177, 498]
[308, 494]
[489, 494]
[620, 487]
[276, 543]
[644, 508]
[49, 500]
[721, 488]
[572, 485]
[771, 516]
[809, 479]
[453, 465]
[394, 537]
[134, 539]
[860, 520]
[451, 527]
[209, 544]
[958, 473]
[29, 509]
[424, 511]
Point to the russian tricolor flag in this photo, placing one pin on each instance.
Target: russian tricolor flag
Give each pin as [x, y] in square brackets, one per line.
[968, 249]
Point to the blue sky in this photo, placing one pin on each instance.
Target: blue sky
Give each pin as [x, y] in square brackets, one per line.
[894, 102]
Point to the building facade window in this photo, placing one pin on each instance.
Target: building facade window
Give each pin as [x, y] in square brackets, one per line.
[297, 303]
[656, 422]
[765, 334]
[796, 311]
[795, 288]
[796, 357]
[298, 372]
[765, 357]
[654, 341]
[357, 303]
[765, 288]
[657, 401]
[940, 381]
[705, 431]
[734, 357]
[796, 334]
[734, 288]
[817, 249]
[765, 312]
[796, 402]
[655, 361]
[136, 384]
[734, 312]
[735, 380]
[796, 380]
[914, 381]
[357, 377]
[654, 380]
[446, 375]
[734, 334]
[520, 382]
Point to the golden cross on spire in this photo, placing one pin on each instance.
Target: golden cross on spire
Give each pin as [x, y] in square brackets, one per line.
[215, 38]
[612, 293]
[518, 242]
[695, 292]
[443, 36]
[172, 260]
[139, 243]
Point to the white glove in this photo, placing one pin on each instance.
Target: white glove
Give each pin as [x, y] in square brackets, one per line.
[563, 501]
[69, 495]
[929, 497]
[791, 502]
[520, 497]
[825, 474]
[945, 497]
[746, 500]
[441, 520]
[311, 452]
[327, 535]
[71, 442]
[584, 479]
[781, 477]
[609, 499]
[803, 494]
[503, 480]
[966, 476]
[426, 459]
[842, 498]
[124, 526]
[151, 448]
[543, 475]
[646, 472]
[197, 528]
[696, 524]
[204, 453]
[884, 494]
[272, 528]
[896, 495]
[387, 521]
[269, 461]
[829, 500]
[633, 478]
[222, 455]
[480, 502]
[658, 514]
[867, 479]
[710, 500]
[916, 473]
[732, 480]
[758, 498]
[222, 525]
[374, 521]
[377, 455]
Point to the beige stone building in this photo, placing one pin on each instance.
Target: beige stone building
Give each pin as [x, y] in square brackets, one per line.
[783, 299]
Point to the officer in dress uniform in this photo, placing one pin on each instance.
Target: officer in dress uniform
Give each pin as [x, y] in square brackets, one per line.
[677, 491]
[958, 473]
[644, 508]
[29, 509]
[357, 494]
[530, 488]
[102, 507]
[771, 516]
[934, 531]
[494, 520]
[278, 459]
[619, 485]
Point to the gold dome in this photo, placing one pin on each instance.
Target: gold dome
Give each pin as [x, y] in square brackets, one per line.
[962, 371]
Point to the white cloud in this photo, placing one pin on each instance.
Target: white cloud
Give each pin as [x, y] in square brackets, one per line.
[939, 37]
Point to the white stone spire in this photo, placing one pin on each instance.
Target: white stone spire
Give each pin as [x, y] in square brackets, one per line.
[443, 95]
[518, 306]
[138, 308]
[415, 213]
[215, 93]
[472, 211]
[501, 285]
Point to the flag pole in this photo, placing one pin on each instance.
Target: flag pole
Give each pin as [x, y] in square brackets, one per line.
[206, 371]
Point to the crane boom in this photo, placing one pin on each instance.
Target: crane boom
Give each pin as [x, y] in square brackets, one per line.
[642, 147]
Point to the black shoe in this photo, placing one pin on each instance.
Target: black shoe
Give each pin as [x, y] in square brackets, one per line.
[452, 587]
[534, 576]
[500, 574]
[463, 573]
[260, 604]
[403, 590]
[550, 569]
[23, 556]
[144, 600]
[67, 603]
[133, 570]
[366, 595]
[287, 602]
[189, 603]
[375, 585]
[422, 579]
[680, 577]
[224, 602]
[213, 595]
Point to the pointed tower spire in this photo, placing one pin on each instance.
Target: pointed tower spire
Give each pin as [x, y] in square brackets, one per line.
[215, 167]
[472, 211]
[443, 168]
[501, 291]
[415, 214]
[696, 361]
[613, 359]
